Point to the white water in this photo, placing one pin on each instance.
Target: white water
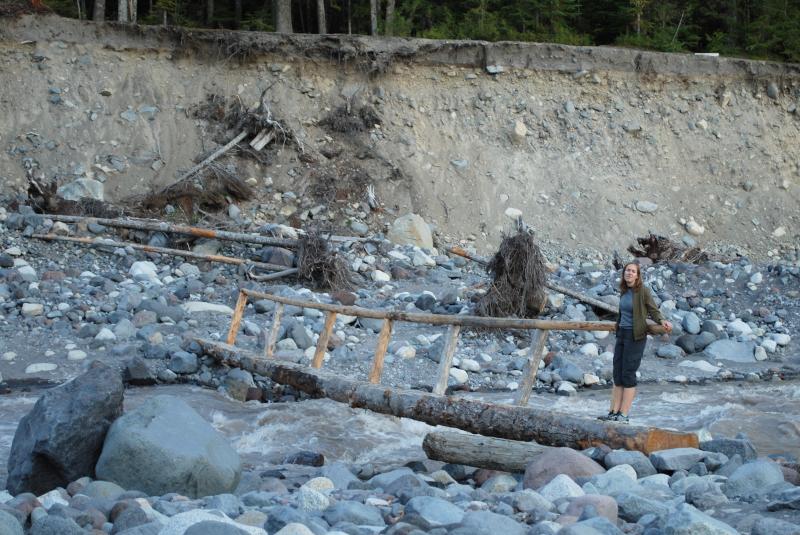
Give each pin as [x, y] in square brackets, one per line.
[264, 434]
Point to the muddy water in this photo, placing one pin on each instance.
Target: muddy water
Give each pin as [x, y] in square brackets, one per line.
[768, 413]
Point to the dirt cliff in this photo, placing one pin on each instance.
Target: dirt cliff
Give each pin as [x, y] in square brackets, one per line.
[593, 146]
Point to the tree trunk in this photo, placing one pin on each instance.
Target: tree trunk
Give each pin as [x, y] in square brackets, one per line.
[349, 18]
[99, 14]
[321, 23]
[389, 17]
[237, 14]
[209, 12]
[373, 17]
[482, 452]
[283, 16]
[122, 10]
[133, 11]
[498, 420]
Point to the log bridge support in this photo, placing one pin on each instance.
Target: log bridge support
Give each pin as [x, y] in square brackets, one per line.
[515, 422]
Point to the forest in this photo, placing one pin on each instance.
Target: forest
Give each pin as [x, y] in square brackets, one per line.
[759, 29]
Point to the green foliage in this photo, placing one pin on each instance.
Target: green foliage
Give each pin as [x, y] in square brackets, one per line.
[65, 8]
[768, 29]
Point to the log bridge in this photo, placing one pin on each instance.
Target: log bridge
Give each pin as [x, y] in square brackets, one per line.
[516, 422]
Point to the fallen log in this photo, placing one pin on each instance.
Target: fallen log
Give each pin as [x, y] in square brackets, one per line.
[503, 421]
[101, 242]
[199, 232]
[481, 452]
[160, 226]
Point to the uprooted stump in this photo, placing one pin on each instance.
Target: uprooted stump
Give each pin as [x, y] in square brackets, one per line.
[662, 249]
[519, 276]
[319, 265]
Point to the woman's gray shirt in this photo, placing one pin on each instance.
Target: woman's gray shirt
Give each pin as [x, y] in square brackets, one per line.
[626, 310]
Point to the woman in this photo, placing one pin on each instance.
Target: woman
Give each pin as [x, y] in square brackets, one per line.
[635, 304]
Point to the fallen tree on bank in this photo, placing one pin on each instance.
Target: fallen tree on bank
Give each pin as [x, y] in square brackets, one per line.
[482, 452]
[489, 419]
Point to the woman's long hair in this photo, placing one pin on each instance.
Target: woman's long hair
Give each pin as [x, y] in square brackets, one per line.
[623, 286]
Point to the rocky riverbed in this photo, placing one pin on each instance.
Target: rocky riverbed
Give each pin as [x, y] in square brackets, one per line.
[64, 306]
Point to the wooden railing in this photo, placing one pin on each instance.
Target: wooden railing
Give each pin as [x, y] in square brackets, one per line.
[539, 333]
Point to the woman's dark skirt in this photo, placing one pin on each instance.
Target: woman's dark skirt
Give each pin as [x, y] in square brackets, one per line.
[627, 358]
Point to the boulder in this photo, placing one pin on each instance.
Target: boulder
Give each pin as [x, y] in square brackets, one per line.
[605, 506]
[686, 520]
[561, 486]
[730, 447]
[411, 229]
[752, 479]
[774, 526]
[9, 525]
[633, 506]
[60, 439]
[82, 188]
[198, 521]
[559, 461]
[165, 446]
[435, 511]
[675, 459]
[487, 522]
[730, 350]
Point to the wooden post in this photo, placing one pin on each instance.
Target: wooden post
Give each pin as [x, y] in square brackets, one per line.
[538, 340]
[324, 336]
[238, 312]
[446, 359]
[269, 346]
[380, 351]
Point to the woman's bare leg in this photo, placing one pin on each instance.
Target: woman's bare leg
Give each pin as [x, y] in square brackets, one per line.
[627, 399]
[616, 398]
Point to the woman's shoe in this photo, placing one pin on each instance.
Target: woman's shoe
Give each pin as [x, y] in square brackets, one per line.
[610, 417]
[621, 418]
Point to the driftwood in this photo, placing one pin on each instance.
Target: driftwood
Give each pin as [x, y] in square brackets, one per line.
[662, 249]
[503, 421]
[481, 452]
[101, 243]
[160, 226]
[219, 152]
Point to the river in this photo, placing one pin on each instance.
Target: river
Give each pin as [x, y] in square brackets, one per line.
[263, 434]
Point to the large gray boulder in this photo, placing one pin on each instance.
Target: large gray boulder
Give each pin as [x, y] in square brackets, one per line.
[165, 446]
[557, 461]
[411, 229]
[752, 479]
[60, 439]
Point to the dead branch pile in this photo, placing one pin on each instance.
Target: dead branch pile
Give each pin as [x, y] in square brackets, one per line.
[519, 276]
[235, 116]
[662, 249]
[209, 189]
[349, 119]
[320, 265]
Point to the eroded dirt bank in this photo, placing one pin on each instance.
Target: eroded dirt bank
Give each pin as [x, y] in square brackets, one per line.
[593, 145]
